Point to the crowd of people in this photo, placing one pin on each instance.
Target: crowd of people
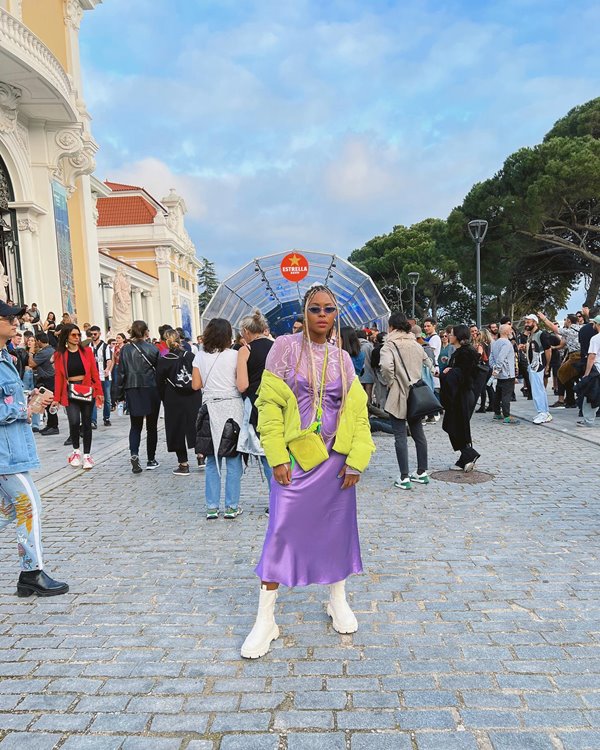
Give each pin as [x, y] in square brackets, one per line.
[302, 406]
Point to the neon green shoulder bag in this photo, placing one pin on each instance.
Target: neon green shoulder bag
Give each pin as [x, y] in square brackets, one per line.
[309, 449]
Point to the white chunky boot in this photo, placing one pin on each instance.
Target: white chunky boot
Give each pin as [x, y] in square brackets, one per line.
[265, 628]
[338, 609]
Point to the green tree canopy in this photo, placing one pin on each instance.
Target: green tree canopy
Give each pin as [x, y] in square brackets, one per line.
[422, 247]
[579, 121]
[208, 283]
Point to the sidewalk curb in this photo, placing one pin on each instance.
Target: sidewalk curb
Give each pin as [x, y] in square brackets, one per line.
[555, 428]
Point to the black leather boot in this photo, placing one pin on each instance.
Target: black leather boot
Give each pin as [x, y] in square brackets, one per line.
[37, 582]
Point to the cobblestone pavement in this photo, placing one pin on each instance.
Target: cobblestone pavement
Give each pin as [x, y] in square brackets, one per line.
[478, 613]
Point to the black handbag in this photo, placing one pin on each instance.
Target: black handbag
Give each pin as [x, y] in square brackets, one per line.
[422, 401]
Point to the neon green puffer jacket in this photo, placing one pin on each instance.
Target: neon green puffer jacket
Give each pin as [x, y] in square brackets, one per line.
[279, 423]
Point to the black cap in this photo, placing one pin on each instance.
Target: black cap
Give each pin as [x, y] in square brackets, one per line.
[8, 310]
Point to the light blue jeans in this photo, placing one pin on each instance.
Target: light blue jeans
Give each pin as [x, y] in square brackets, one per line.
[589, 412]
[268, 471]
[106, 386]
[538, 392]
[20, 502]
[233, 480]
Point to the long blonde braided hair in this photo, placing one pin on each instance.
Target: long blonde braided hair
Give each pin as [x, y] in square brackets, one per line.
[313, 377]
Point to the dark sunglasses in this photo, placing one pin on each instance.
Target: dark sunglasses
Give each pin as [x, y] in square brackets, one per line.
[75, 333]
[327, 309]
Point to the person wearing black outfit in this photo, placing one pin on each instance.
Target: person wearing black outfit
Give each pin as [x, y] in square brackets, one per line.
[586, 332]
[136, 383]
[41, 362]
[181, 402]
[250, 367]
[461, 384]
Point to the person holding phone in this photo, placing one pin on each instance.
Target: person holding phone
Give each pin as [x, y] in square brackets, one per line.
[18, 457]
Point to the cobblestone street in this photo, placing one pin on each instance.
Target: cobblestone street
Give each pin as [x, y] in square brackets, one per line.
[478, 611]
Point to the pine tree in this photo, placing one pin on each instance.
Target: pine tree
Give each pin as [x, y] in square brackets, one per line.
[208, 283]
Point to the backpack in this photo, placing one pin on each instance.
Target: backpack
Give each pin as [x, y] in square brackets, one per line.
[183, 376]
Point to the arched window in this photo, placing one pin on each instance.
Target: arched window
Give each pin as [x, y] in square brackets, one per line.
[11, 283]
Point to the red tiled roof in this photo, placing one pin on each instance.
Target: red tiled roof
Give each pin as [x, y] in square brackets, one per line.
[114, 211]
[118, 186]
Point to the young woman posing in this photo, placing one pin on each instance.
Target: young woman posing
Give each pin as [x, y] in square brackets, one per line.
[312, 535]
[75, 365]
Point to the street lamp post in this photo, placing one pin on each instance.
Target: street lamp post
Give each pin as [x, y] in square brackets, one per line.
[413, 277]
[477, 230]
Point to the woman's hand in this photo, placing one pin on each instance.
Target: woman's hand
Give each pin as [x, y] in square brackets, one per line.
[349, 479]
[283, 474]
[446, 370]
[47, 398]
[99, 401]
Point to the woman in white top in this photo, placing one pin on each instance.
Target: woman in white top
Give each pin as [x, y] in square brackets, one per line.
[222, 414]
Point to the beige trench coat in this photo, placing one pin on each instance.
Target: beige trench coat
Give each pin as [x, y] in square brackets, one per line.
[393, 373]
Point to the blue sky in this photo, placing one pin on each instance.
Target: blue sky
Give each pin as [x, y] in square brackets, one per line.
[317, 125]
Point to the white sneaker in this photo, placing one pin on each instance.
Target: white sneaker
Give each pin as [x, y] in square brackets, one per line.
[403, 484]
[542, 417]
[342, 617]
[88, 462]
[265, 629]
[419, 478]
[75, 459]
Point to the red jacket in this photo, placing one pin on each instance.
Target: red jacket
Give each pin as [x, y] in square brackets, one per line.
[92, 377]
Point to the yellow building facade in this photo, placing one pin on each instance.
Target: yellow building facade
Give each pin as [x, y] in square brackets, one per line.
[48, 239]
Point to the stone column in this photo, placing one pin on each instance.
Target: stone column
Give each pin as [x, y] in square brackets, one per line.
[149, 313]
[136, 303]
[163, 264]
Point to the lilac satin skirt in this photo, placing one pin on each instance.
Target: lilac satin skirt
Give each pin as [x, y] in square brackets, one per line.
[312, 535]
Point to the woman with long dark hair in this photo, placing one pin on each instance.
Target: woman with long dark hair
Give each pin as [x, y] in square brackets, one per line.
[483, 345]
[351, 344]
[120, 341]
[461, 383]
[77, 386]
[49, 327]
[309, 388]
[221, 416]
[136, 383]
[180, 401]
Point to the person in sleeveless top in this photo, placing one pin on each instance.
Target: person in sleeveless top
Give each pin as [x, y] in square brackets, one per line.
[250, 367]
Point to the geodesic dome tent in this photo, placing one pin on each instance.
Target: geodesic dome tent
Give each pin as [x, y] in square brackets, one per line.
[268, 283]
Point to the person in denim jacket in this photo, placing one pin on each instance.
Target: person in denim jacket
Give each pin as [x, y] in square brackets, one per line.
[19, 498]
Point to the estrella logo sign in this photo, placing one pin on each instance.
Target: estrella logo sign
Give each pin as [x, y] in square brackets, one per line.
[294, 267]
